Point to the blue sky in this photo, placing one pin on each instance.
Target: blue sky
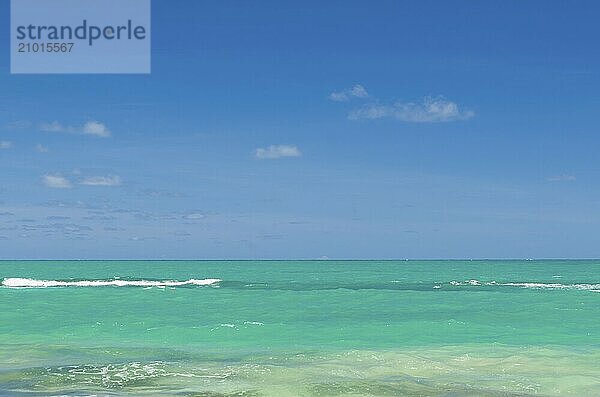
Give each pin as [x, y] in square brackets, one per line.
[346, 129]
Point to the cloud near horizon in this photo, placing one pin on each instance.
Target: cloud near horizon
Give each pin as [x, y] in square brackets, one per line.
[562, 178]
[111, 180]
[429, 110]
[92, 127]
[56, 181]
[277, 151]
[357, 91]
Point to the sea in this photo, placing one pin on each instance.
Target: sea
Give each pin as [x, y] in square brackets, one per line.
[300, 328]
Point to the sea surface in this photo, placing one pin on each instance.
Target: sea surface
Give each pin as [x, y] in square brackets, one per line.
[300, 328]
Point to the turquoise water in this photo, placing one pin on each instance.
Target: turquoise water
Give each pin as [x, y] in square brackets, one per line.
[300, 328]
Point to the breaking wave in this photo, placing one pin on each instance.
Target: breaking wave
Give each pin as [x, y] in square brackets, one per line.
[14, 282]
[529, 285]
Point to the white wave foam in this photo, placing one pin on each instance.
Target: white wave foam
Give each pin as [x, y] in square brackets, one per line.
[586, 287]
[530, 285]
[14, 282]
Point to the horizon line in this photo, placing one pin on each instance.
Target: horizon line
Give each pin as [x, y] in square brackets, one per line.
[298, 259]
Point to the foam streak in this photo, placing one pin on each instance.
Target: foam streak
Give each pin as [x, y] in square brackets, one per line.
[33, 283]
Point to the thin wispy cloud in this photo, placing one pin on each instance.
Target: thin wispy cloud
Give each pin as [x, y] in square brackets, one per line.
[357, 91]
[110, 180]
[41, 148]
[18, 125]
[194, 216]
[277, 152]
[54, 126]
[5, 145]
[562, 178]
[56, 181]
[428, 110]
[94, 128]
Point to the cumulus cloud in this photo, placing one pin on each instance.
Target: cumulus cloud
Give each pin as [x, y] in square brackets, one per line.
[96, 128]
[277, 151]
[89, 128]
[357, 91]
[429, 110]
[102, 181]
[56, 181]
[562, 178]
[5, 145]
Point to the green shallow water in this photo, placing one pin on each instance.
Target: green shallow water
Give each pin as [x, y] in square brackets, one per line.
[303, 328]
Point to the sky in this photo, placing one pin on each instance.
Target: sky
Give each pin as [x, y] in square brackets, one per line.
[338, 129]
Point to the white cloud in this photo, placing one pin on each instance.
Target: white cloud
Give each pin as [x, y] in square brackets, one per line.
[357, 91]
[41, 148]
[89, 128]
[5, 145]
[54, 126]
[96, 128]
[102, 181]
[429, 110]
[562, 178]
[56, 181]
[193, 216]
[277, 151]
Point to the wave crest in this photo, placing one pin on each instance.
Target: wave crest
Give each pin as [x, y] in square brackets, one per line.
[15, 282]
[530, 285]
